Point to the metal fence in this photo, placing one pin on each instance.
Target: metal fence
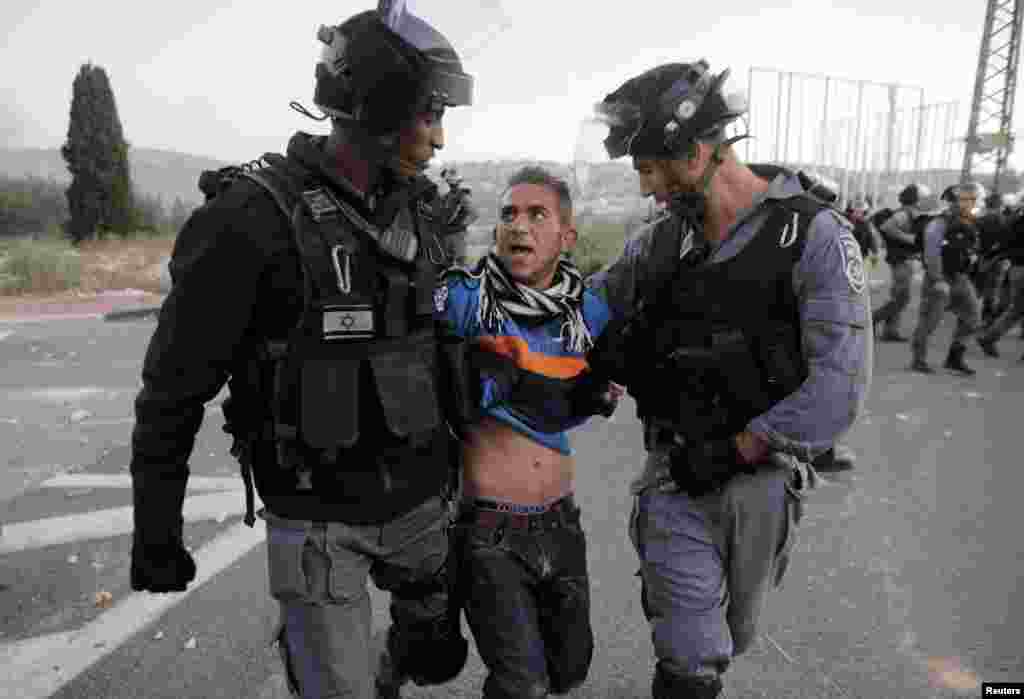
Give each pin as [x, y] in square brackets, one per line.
[871, 138]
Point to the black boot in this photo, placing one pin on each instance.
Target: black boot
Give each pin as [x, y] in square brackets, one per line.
[668, 685]
[955, 360]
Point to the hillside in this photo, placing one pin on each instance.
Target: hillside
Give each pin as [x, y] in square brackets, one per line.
[168, 174]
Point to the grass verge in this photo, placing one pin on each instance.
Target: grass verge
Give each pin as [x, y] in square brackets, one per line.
[52, 266]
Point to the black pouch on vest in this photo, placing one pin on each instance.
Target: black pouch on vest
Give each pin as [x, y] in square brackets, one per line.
[330, 403]
[405, 378]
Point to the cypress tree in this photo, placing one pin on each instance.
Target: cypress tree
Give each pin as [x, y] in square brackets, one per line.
[100, 197]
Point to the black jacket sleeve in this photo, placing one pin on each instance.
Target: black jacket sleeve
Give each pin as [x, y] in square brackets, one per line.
[216, 265]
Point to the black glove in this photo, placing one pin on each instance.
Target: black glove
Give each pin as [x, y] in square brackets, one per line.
[620, 352]
[160, 562]
[163, 567]
[589, 396]
[706, 466]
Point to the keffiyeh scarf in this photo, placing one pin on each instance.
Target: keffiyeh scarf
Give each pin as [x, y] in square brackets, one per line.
[502, 298]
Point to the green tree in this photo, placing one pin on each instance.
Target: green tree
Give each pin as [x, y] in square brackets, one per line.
[100, 197]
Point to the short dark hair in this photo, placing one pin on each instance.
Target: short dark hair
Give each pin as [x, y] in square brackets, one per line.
[535, 174]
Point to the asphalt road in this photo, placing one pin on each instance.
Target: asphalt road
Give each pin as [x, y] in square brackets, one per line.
[903, 585]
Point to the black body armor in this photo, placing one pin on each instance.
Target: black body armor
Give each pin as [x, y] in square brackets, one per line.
[357, 377]
[725, 336]
[959, 247]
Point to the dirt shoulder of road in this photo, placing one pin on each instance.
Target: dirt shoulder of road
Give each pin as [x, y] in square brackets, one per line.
[75, 303]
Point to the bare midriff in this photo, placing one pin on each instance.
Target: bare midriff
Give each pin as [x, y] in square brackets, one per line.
[502, 464]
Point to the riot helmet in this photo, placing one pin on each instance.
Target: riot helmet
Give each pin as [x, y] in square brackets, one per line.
[380, 68]
[661, 112]
[912, 194]
[949, 195]
[820, 186]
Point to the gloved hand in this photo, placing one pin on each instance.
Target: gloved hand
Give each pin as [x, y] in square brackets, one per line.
[704, 467]
[941, 287]
[618, 352]
[161, 567]
[592, 395]
[160, 562]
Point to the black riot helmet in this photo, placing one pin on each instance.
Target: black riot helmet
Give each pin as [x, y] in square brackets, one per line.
[660, 113]
[913, 193]
[382, 67]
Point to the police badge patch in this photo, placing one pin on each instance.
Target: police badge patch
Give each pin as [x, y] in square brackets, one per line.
[853, 263]
[441, 298]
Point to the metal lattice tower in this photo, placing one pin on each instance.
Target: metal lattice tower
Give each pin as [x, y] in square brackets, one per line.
[989, 135]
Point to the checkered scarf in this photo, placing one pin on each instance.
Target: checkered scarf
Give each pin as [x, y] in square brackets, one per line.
[502, 298]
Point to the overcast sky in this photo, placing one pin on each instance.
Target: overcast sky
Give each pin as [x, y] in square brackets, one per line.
[214, 78]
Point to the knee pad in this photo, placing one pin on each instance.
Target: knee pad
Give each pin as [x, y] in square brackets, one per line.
[668, 685]
[429, 656]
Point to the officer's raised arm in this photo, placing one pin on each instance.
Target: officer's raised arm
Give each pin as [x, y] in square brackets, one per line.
[830, 283]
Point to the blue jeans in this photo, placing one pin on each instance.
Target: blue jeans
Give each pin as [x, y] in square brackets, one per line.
[707, 564]
[527, 600]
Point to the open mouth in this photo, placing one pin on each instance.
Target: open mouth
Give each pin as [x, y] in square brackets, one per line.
[519, 249]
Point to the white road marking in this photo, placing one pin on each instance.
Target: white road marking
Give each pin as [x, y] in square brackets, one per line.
[124, 480]
[4, 334]
[37, 667]
[102, 524]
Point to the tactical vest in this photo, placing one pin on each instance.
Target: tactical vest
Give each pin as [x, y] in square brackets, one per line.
[959, 245]
[725, 336]
[898, 250]
[362, 357]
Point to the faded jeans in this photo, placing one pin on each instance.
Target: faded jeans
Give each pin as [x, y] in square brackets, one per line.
[707, 564]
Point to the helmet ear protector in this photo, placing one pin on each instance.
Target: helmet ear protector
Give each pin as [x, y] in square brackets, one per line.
[371, 74]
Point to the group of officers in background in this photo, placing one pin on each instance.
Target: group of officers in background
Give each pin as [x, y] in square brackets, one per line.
[971, 247]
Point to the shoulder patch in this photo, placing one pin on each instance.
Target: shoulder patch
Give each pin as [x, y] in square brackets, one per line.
[441, 298]
[853, 263]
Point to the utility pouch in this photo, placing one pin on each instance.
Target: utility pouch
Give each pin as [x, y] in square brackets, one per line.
[406, 382]
[329, 413]
[396, 299]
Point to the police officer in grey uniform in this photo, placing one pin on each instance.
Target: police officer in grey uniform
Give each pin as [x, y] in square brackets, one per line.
[307, 285]
[900, 252]
[950, 252]
[742, 328]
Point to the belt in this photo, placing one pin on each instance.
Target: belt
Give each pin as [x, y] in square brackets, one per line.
[490, 514]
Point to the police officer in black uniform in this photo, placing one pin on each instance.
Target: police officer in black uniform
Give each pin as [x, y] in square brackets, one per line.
[307, 285]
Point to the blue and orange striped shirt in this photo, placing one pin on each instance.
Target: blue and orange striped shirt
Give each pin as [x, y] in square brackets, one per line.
[534, 347]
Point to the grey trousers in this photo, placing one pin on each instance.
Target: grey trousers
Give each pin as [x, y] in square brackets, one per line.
[707, 564]
[1015, 313]
[892, 312]
[963, 302]
[318, 573]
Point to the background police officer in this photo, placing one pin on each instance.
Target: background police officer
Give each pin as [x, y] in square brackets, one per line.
[741, 328]
[308, 287]
[950, 251]
[900, 251]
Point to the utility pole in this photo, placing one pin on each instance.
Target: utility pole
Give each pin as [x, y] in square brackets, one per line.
[989, 135]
